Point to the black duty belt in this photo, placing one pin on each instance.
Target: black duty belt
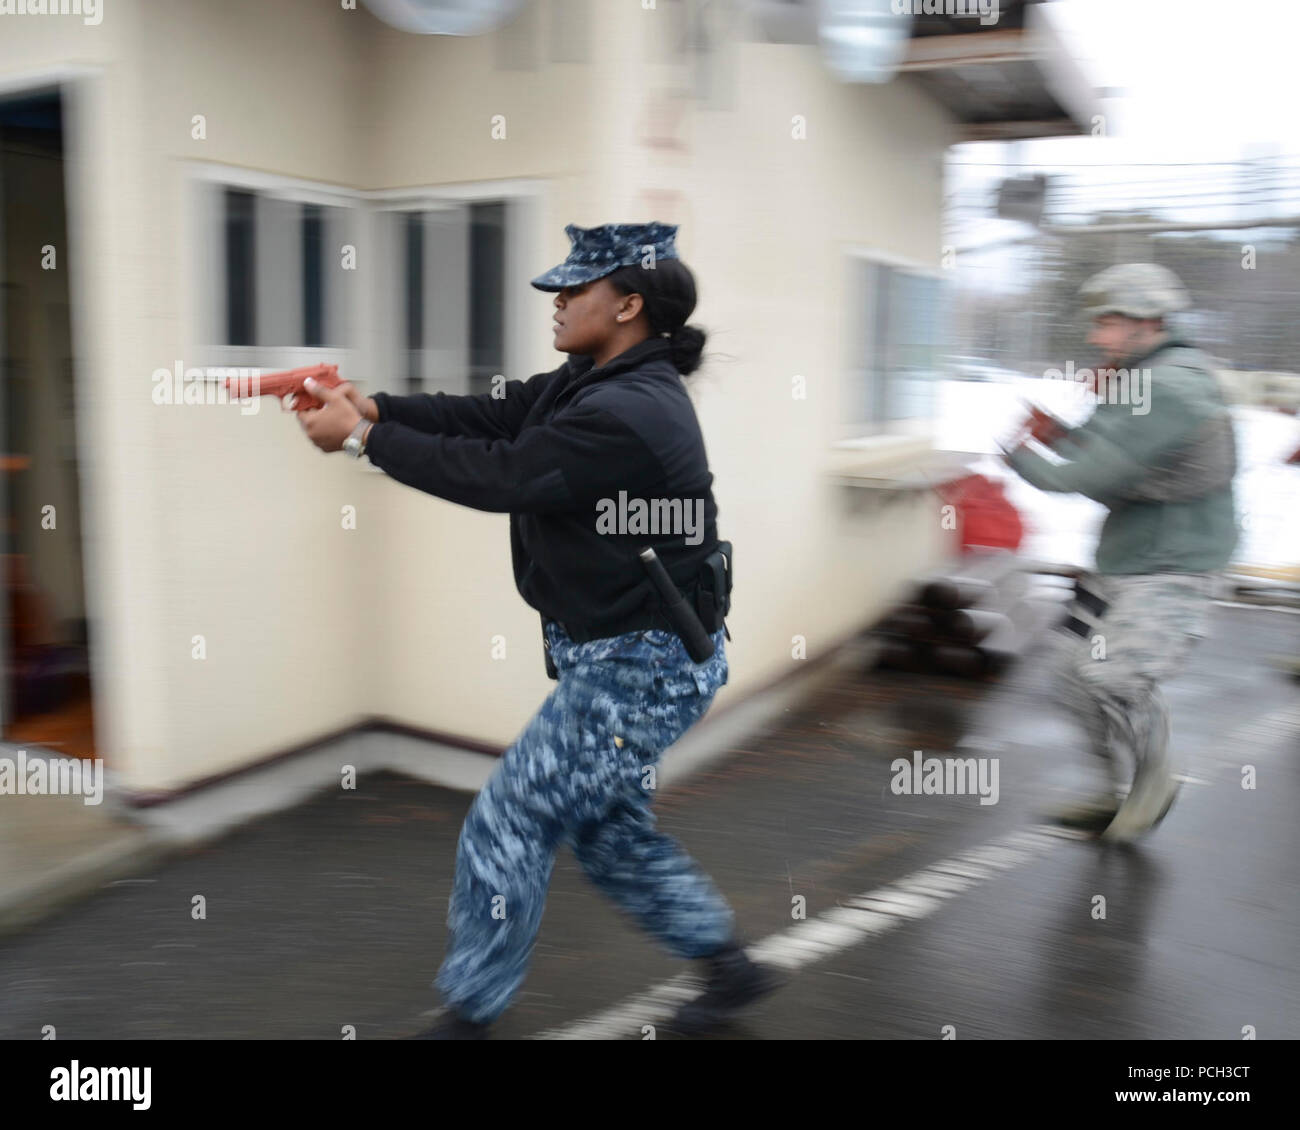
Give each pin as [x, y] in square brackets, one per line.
[710, 597]
[637, 622]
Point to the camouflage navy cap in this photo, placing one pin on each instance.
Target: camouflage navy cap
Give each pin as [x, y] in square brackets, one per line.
[597, 252]
[1137, 290]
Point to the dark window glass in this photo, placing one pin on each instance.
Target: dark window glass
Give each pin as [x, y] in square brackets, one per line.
[241, 293]
[414, 244]
[487, 274]
[313, 282]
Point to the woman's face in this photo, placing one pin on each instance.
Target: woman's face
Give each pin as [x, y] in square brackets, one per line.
[590, 315]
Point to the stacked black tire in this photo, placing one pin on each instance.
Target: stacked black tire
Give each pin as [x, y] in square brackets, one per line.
[976, 618]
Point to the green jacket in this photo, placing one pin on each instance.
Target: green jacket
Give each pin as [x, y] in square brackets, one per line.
[1118, 449]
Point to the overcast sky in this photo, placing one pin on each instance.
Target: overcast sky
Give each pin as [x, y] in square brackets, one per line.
[1185, 84]
[1203, 79]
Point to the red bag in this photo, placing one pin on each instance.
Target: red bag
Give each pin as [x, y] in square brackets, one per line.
[985, 517]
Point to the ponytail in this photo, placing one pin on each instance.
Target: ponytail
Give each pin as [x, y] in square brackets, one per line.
[687, 346]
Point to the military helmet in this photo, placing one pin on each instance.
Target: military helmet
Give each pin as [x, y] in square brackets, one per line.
[1137, 290]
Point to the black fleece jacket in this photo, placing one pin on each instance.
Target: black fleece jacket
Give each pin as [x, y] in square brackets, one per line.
[555, 452]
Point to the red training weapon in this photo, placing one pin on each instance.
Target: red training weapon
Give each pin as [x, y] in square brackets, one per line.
[289, 382]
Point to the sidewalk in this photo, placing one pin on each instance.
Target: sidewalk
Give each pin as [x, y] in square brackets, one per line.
[56, 849]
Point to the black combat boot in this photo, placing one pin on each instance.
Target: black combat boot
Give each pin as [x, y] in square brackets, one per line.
[1092, 814]
[452, 1026]
[733, 982]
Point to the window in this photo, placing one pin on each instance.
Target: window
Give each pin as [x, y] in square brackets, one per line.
[451, 303]
[278, 266]
[894, 326]
[412, 290]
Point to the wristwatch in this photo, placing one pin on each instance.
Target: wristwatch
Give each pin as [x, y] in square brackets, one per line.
[353, 445]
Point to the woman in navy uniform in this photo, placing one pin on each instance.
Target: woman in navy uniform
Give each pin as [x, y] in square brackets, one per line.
[609, 432]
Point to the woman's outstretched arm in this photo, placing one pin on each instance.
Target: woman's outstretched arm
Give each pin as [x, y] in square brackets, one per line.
[582, 455]
[483, 416]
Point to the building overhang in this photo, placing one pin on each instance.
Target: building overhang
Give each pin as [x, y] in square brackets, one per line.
[1000, 79]
[1001, 82]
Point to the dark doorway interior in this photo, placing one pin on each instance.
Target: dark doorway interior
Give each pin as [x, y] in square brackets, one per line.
[45, 699]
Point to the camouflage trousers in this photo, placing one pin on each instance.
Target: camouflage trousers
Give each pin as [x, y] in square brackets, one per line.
[1110, 680]
[582, 773]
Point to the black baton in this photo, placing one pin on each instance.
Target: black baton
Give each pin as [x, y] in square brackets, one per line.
[680, 614]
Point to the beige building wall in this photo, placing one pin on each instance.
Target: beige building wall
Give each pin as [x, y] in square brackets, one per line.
[199, 522]
[205, 522]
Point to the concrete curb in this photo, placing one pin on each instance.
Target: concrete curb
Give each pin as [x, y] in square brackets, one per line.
[22, 907]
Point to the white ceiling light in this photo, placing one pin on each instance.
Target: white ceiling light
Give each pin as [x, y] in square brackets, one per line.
[445, 17]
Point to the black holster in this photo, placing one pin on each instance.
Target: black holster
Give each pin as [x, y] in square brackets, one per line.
[713, 597]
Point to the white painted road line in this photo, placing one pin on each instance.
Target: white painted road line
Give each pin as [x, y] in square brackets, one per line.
[878, 911]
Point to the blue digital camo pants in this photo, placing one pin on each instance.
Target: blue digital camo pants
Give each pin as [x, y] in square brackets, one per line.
[578, 774]
[1111, 681]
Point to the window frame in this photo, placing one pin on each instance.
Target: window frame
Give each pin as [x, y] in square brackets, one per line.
[869, 433]
[526, 199]
[204, 303]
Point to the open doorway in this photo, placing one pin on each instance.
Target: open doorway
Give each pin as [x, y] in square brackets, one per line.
[45, 699]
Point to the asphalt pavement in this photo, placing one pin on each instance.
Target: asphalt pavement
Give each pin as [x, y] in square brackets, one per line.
[921, 916]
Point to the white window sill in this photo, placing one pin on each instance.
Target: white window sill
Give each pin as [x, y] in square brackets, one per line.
[894, 463]
[877, 456]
